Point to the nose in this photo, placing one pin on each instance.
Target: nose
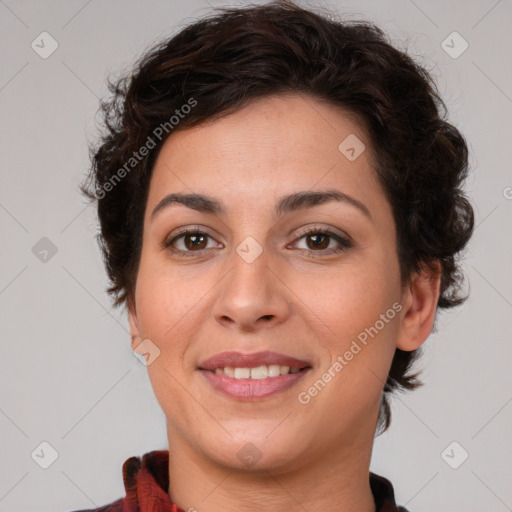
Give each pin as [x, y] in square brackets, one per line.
[251, 296]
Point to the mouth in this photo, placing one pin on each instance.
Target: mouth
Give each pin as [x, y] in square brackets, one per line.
[256, 372]
[253, 376]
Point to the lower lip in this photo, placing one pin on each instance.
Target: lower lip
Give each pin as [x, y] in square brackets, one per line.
[253, 389]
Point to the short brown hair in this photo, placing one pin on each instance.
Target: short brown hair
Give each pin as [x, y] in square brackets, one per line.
[228, 59]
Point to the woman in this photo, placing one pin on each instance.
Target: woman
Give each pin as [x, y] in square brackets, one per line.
[281, 211]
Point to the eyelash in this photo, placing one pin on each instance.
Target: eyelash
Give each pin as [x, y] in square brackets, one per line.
[345, 243]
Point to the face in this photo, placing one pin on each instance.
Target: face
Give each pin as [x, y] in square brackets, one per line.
[268, 271]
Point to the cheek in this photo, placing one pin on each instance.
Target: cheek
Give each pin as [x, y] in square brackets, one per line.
[166, 296]
[160, 306]
[359, 322]
[350, 299]
[167, 305]
[172, 307]
[359, 328]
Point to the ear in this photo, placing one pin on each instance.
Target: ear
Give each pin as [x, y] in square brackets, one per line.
[419, 302]
[133, 321]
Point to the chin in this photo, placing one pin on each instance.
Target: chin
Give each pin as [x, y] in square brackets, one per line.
[255, 452]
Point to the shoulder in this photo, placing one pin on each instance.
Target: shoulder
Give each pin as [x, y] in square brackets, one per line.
[144, 478]
[384, 494]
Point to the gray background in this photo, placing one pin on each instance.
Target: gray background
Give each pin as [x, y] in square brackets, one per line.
[68, 376]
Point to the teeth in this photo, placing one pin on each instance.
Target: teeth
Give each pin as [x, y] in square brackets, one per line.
[274, 370]
[258, 372]
[242, 373]
[230, 372]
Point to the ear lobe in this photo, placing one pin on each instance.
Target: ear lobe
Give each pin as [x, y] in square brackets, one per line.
[420, 304]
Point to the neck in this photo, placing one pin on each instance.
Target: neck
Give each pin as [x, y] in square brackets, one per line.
[334, 481]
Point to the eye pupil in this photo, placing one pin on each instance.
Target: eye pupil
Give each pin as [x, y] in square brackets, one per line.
[198, 239]
[319, 241]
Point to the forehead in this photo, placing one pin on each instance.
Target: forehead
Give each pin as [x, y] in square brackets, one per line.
[273, 146]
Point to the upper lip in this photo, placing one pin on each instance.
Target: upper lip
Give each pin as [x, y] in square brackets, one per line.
[239, 360]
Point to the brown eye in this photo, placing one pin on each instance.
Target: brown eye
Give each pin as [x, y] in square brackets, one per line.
[190, 242]
[195, 241]
[321, 242]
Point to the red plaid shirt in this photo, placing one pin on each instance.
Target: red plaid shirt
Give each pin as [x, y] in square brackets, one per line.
[146, 482]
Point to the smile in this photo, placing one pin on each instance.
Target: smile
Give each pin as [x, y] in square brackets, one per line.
[257, 372]
[252, 376]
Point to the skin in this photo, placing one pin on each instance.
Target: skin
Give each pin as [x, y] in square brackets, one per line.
[311, 306]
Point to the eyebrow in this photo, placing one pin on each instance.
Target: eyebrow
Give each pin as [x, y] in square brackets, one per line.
[286, 204]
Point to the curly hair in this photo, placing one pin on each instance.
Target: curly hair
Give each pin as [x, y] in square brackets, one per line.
[219, 63]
